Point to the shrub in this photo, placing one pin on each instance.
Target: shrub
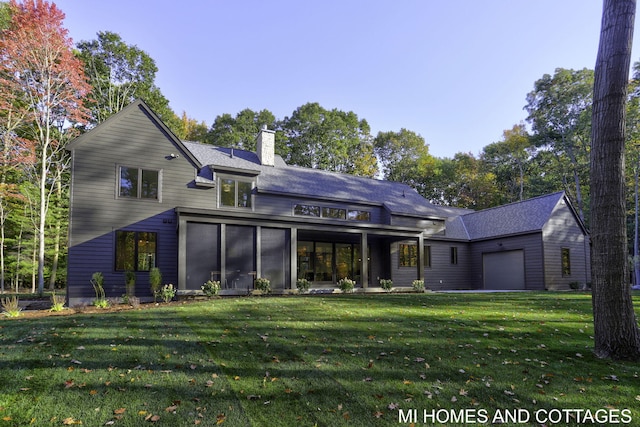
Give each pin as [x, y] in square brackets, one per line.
[101, 303]
[211, 288]
[346, 285]
[303, 285]
[418, 285]
[386, 284]
[167, 292]
[97, 280]
[57, 302]
[575, 286]
[11, 306]
[155, 281]
[263, 284]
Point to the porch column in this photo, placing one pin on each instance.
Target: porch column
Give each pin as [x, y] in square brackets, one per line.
[182, 254]
[223, 256]
[258, 252]
[421, 256]
[293, 258]
[364, 263]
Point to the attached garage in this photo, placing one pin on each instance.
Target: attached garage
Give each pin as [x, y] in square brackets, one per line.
[503, 270]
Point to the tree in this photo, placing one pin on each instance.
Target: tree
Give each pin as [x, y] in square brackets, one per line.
[191, 130]
[509, 161]
[616, 334]
[240, 131]
[119, 74]
[404, 157]
[328, 139]
[559, 110]
[47, 81]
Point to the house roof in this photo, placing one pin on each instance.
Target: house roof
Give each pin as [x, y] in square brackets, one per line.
[114, 119]
[515, 218]
[396, 197]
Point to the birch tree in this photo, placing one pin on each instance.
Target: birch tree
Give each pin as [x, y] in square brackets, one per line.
[47, 80]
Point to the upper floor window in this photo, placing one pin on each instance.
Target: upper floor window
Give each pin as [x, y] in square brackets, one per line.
[357, 215]
[334, 213]
[331, 212]
[306, 210]
[139, 183]
[235, 193]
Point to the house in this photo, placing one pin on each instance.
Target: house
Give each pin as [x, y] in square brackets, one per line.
[141, 197]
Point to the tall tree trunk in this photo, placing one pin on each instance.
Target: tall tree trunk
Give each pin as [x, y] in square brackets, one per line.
[616, 334]
[576, 180]
[43, 220]
[57, 237]
[636, 249]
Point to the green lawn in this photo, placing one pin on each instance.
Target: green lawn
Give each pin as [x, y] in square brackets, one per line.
[364, 360]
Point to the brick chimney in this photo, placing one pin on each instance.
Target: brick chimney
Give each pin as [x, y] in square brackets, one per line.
[266, 143]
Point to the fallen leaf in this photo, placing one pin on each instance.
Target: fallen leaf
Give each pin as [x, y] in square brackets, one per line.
[119, 411]
[171, 408]
[378, 414]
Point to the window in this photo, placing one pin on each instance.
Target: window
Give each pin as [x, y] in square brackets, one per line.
[139, 183]
[235, 193]
[331, 212]
[427, 256]
[408, 254]
[356, 215]
[334, 213]
[566, 262]
[306, 210]
[135, 250]
[454, 255]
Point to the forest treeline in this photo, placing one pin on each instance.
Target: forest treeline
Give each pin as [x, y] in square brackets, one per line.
[52, 90]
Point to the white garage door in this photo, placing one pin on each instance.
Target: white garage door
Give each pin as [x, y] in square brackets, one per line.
[503, 270]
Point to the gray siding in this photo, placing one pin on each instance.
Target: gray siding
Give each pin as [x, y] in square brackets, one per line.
[96, 212]
[401, 276]
[280, 205]
[531, 244]
[443, 275]
[563, 231]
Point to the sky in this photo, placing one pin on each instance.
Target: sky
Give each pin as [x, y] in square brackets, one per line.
[455, 72]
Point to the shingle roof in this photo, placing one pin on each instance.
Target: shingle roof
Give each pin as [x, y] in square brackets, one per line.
[398, 198]
[515, 218]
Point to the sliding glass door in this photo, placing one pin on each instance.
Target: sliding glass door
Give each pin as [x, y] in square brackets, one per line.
[326, 262]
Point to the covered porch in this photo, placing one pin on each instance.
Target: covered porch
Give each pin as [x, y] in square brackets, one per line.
[235, 251]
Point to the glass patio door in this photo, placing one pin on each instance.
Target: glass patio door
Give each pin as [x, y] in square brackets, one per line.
[323, 262]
